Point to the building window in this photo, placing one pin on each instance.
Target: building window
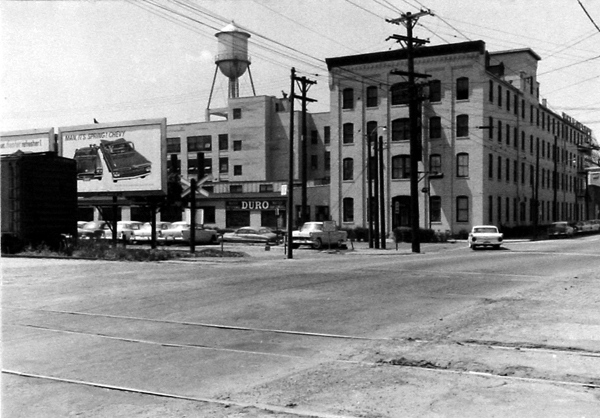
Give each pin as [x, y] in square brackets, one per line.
[499, 96]
[515, 171]
[435, 91]
[223, 142]
[507, 134]
[348, 133]
[435, 127]
[462, 209]
[209, 214]
[327, 161]
[499, 168]
[348, 209]
[314, 137]
[462, 126]
[508, 100]
[321, 213]
[401, 167]
[400, 93]
[499, 131]
[327, 135]
[348, 169]
[266, 188]
[435, 164]
[490, 210]
[507, 169]
[348, 98]
[462, 164]
[173, 145]
[491, 92]
[314, 162]
[237, 145]
[223, 165]
[435, 209]
[199, 143]
[237, 113]
[401, 129]
[490, 127]
[237, 170]
[236, 188]
[462, 88]
[372, 99]
[490, 166]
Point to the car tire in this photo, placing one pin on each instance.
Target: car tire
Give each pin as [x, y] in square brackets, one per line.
[295, 246]
[318, 244]
[496, 247]
[473, 247]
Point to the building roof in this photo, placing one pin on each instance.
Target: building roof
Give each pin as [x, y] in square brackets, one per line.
[401, 54]
[515, 51]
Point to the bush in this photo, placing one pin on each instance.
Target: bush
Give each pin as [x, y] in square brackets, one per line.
[358, 234]
[404, 234]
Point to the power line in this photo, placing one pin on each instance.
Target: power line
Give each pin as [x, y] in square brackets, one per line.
[588, 15]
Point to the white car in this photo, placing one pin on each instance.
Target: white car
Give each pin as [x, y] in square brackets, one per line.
[485, 236]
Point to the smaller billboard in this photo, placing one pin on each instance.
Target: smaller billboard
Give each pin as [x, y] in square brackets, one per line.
[118, 158]
[37, 140]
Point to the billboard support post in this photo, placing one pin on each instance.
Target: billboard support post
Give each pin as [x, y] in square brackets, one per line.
[193, 187]
[115, 207]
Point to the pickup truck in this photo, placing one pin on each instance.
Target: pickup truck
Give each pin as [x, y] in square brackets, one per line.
[319, 234]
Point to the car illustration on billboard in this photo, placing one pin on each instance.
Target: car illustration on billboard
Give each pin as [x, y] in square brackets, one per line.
[123, 160]
[128, 157]
[89, 164]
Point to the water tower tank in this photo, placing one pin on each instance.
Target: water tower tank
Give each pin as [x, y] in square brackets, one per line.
[232, 55]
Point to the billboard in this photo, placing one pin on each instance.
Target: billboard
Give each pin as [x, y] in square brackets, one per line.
[38, 140]
[126, 158]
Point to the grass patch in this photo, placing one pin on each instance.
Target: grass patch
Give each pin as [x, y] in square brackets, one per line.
[99, 250]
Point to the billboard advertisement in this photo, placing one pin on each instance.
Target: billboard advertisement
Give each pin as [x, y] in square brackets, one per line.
[126, 158]
[38, 140]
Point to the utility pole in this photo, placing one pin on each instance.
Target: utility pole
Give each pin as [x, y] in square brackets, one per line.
[381, 193]
[409, 20]
[304, 85]
[290, 188]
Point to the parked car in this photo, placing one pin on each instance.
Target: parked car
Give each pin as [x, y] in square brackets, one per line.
[485, 236]
[202, 235]
[318, 234]
[250, 234]
[180, 232]
[125, 230]
[89, 164]
[123, 160]
[561, 229]
[145, 231]
[92, 230]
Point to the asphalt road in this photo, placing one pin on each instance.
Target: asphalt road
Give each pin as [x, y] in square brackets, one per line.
[362, 333]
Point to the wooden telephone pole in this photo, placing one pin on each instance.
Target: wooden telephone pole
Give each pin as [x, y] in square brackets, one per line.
[409, 20]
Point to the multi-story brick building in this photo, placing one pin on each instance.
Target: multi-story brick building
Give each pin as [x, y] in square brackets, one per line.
[491, 148]
[246, 155]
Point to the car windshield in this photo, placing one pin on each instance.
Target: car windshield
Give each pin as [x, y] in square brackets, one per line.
[488, 230]
[311, 227]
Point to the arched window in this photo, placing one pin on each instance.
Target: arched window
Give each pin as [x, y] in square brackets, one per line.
[401, 129]
[401, 167]
[348, 133]
[348, 98]
[372, 96]
[435, 127]
[400, 93]
[435, 91]
[462, 88]
[462, 126]
[462, 209]
[462, 164]
[348, 209]
[435, 164]
[348, 169]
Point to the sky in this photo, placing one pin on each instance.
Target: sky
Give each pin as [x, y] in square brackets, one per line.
[66, 63]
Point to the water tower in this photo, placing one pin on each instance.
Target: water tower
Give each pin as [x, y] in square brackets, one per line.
[232, 59]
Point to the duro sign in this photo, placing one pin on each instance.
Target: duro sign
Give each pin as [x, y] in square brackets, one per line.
[255, 205]
[249, 204]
